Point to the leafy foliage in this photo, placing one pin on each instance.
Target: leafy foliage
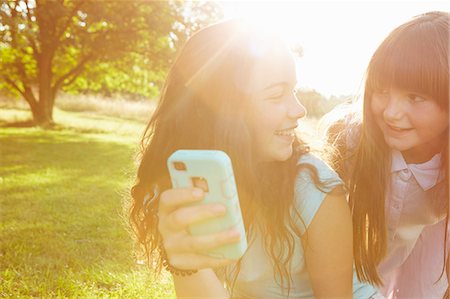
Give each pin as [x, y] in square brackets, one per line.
[317, 104]
[90, 46]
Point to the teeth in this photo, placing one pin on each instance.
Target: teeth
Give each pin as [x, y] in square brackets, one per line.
[289, 132]
[398, 129]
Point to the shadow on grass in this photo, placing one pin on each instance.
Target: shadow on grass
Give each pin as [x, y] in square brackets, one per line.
[18, 124]
[50, 127]
[62, 196]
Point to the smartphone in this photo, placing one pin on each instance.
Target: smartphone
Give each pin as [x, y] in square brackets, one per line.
[212, 171]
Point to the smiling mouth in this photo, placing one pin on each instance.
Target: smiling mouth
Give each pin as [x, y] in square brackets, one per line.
[286, 132]
[398, 129]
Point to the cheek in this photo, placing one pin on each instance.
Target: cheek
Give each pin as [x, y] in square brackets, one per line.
[376, 108]
[257, 121]
[260, 123]
[266, 116]
[429, 117]
[435, 122]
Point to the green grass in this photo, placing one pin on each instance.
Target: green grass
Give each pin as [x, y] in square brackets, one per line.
[63, 232]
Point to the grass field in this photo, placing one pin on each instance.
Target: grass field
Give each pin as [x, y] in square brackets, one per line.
[63, 233]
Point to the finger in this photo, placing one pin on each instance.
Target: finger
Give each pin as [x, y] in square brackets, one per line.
[172, 199]
[195, 244]
[183, 217]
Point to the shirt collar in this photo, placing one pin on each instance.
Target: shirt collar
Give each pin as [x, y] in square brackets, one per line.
[426, 174]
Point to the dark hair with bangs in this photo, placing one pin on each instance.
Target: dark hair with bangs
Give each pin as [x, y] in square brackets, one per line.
[204, 105]
[413, 57]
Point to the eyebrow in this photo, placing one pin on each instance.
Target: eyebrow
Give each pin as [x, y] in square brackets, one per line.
[278, 84]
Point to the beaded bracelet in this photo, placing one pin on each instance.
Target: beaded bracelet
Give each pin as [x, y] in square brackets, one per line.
[172, 269]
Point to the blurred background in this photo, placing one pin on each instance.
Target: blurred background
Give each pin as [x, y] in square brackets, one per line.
[79, 79]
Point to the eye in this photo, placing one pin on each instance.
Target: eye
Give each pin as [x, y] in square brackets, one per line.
[276, 95]
[414, 98]
[274, 100]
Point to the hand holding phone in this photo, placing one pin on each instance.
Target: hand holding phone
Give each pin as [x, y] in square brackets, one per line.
[211, 171]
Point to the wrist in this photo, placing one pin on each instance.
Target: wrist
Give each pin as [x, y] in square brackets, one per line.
[172, 269]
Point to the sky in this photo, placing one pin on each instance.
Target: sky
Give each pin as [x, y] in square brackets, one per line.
[337, 37]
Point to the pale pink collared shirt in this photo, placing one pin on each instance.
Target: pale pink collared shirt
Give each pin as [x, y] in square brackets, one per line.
[415, 212]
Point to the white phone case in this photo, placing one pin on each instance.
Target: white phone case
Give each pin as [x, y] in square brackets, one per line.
[211, 170]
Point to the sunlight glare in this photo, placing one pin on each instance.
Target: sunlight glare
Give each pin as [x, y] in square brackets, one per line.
[337, 38]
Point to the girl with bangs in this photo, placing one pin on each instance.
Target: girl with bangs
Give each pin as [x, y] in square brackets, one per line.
[232, 88]
[395, 161]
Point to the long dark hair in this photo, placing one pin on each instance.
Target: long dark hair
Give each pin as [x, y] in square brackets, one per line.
[413, 57]
[204, 105]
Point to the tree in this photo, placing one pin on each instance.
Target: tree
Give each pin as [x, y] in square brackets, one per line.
[138, 74]
[194, 15]
[46, 45]
[317, 104]
[314, 102]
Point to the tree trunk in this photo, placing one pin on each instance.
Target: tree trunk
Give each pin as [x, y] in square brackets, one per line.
[48, 40]
[43, 111]
[41, 117]
[44, 115]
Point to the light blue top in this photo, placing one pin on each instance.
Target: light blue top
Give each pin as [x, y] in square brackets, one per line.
[256, 275]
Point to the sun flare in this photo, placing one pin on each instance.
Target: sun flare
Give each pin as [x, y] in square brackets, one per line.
[336, 38]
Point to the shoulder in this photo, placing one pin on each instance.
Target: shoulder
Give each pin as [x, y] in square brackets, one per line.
[310, 166]
[315, 180]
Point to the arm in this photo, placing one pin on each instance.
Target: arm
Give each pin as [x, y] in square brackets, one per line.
[328, 248]
[203, 284]
[182, 249]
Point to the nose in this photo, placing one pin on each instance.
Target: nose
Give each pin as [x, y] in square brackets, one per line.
[296, 110]
[393, 109]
